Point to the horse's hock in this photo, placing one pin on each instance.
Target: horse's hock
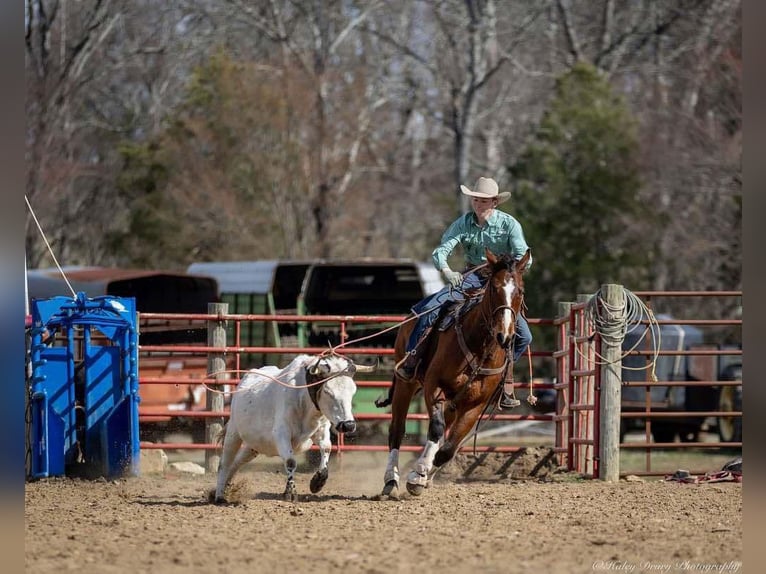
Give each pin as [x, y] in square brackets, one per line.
[523, 464]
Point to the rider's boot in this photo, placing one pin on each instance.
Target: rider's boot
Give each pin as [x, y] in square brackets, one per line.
[405, 369]
[507, 398]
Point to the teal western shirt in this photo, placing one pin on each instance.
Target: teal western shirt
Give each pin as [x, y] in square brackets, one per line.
[501, 233]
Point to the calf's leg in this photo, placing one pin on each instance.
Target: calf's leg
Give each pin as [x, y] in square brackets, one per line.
[322, 440]
[285, 449]
[226, 469]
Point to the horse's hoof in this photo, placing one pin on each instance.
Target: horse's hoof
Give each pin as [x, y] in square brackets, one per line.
[318, 480]
[220, 500]
[391, 487]
[415, 489]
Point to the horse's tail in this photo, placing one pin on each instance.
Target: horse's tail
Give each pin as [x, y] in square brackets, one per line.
[382, 403]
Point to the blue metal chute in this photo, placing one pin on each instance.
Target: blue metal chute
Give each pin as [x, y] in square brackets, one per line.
[84, 387]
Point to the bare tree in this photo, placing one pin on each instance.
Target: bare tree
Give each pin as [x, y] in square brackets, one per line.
[98, 72]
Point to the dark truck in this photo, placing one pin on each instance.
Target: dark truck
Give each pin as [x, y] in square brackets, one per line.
[663, 398]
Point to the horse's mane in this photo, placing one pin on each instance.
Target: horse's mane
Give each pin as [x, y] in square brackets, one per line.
[504, 261]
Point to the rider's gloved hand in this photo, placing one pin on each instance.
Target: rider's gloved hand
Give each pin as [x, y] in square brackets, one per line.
[452, 277]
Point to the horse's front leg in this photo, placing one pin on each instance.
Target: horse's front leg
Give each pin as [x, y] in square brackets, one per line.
[322, 440]
[418, 477]
[464, 422]
[400, 404]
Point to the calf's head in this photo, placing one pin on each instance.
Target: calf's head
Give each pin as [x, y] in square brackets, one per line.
[333, 396]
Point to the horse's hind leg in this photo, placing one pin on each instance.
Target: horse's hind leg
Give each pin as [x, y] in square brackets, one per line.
[417, 479]
[400, 404]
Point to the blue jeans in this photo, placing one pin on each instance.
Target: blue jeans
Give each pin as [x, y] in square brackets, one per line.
[434, 302]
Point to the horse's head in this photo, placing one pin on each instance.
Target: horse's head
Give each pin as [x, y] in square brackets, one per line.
[506, 288]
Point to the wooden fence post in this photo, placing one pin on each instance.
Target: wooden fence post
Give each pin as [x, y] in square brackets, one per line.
[562, 378]
[613, 314]
[587, 394]
[216, 365]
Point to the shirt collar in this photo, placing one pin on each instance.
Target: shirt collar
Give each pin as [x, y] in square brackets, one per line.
[491, 221]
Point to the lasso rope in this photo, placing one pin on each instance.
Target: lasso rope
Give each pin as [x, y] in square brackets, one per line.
[614, 322]
[268, 376]
[48, 245]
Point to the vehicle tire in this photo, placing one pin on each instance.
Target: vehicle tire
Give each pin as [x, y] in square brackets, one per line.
[689, 432]
[663, 431]
[730, 428]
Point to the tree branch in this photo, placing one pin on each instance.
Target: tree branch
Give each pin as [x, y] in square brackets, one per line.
[574, 45]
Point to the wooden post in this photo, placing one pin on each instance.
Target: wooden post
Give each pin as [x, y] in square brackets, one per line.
[611, 385]
[562, 378]
[588, 394]
[216, 364]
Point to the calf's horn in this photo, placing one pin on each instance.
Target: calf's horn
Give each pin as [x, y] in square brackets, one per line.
[368, 368]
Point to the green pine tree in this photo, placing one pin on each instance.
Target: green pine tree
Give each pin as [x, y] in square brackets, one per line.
[577, 194]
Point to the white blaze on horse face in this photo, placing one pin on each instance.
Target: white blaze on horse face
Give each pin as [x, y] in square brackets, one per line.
[509, 287]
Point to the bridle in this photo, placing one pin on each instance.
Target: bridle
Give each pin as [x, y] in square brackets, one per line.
[489, 320]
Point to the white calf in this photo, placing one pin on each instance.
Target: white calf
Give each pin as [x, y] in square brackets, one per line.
[284, 419]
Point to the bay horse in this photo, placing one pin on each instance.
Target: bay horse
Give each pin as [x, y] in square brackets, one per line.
[462, 369]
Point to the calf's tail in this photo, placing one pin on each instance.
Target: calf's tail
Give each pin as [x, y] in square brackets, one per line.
[220, 436]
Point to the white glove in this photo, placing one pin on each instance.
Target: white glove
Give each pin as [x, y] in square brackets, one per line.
[453, 277]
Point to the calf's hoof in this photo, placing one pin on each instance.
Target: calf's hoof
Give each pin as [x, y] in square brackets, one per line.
[216, 499]
[290, 492]
[318, 480]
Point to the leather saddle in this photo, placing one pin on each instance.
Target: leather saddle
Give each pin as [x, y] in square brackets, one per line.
[452, 311]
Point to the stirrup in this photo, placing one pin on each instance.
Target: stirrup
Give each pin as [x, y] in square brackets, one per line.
[507, 401]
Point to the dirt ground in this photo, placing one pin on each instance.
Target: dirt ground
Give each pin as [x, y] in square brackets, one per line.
[496, 513]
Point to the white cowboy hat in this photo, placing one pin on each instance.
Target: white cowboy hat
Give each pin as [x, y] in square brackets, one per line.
[486, 187]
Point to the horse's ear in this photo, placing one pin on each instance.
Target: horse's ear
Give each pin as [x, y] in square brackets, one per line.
[522, 263]
[491, 259]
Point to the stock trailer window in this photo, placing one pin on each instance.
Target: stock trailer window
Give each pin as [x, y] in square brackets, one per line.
[169, 294]
[362, 290]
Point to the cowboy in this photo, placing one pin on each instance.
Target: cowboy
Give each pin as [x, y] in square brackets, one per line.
[483, 227]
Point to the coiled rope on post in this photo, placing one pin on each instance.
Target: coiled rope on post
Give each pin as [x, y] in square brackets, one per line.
[613, 322]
